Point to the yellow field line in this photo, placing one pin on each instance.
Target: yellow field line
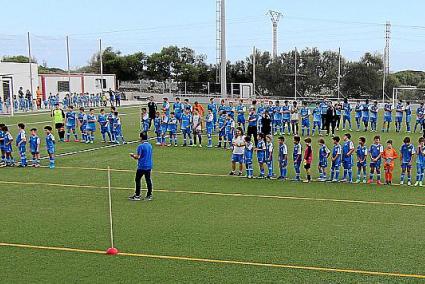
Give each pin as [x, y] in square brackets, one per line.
[219, 261]
[226, 194]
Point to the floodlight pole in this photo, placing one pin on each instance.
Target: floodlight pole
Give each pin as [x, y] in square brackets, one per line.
[101, 65]
[274, 17]
[339, 73]
[223, 63]
[295, 74]
[29, 60]
[254, 59]
[386, 58]
[68, 63]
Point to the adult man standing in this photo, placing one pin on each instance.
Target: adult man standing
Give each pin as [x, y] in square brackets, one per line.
[59, 118]
[151, 110]
[144, 167]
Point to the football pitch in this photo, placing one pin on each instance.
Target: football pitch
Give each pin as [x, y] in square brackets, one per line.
[203, 225]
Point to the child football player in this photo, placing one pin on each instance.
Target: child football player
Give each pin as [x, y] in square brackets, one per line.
[317, 119]
[389, 156]
[297, 157]
[35, 148]
[210, 127]
[104, 125]
[336, 160]
[375, 153]
[8, 139]
[269, 156]
[407, 152]
[420, 115]
[420, 162]
[308, 158]
[324, 154]
[164, 127]
[283, 158]
[358, 116]
[117, 127]
[347, 158]
[305, 120]
[248, 155]
[21, 144]
[157, 126]
[388, 117]
[186, 127]
[82, 121]
[197, 129]
[172, 129]
[229, 130]
[3, 153]
[71, 123]
[50, 146]
[362, 154]
[221, 128]
[261, 154]
[91, 126]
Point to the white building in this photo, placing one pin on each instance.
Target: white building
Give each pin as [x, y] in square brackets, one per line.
[16, 75]
[63, 84]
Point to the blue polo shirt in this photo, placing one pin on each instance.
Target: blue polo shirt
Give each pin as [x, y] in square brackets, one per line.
[144, 150]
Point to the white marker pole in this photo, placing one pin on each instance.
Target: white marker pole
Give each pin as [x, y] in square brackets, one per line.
[112, 250]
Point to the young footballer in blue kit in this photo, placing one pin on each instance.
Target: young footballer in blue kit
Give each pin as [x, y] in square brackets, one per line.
[297, 157]
[248, 155]
[70, 124]
[420, 113]
[407, 152]
[117, 129]
[172, 130]
[399, 109]
[317, 119]
[283, 158]
[362, 153]
[157, 126]
[373, 116]
[408, 111]
[35, 148]
[209, 127]
[7, 140]
[102, 119]
[213, 108]
[50, 146]
[336, 160]
[347, 158]
[420, 162]
[221, 128]
[277, 118]
[261, 154]
[21, 144]
[144, 116]
[241, 109]
[269, 156]
[358, 116]
[229, 130]
[305, 120]
[324, 154]
[365, 114]
[164, 127]
[3, 153]
[178, 110]
[375, 152]
[286, 117]
[186, 127]
[91, 126]
[82, 121]
[388, 117]
[346, 116]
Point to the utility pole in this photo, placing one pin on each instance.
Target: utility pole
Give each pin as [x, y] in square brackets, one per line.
[339, 73]
[295, 73]
[386, 72]
[221, 46]
[275, 17]
[68, 63]
[254, 62]
[101, 65]
[29, 61]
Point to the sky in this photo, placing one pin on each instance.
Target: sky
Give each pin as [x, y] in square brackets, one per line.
[130, 26]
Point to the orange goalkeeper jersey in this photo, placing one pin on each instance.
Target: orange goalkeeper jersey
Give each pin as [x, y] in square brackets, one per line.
[389, 156]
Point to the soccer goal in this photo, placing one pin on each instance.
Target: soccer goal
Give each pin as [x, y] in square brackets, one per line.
[6, 96]
[408, 93]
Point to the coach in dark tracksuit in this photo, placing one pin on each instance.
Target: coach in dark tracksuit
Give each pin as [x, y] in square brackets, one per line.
[151, 110]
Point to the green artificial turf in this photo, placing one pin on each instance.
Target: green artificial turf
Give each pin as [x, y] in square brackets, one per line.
[320, 231]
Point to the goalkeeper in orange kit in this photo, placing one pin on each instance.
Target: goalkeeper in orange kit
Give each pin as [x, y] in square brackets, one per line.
[389, 156]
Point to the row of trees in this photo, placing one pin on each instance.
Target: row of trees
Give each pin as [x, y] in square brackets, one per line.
[317, 71]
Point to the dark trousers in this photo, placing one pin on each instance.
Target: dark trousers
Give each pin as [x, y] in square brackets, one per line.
[252, 130]
[138, 179]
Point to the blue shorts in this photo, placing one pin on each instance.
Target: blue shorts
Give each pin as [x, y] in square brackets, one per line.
[221, 133]
[91, 128]
[336, 164]
[406, 166]
[277, 122]
[286, 120]
[241, 119]
[261, 158]
[347, 164]
[50, 151]
[347, 117]
[210, 130]
[83, 128]
[283, 164]
[365, 119]
[420, 121]
[305, 122]
[317, 123]
[178, 116]
[70, 127]
[361, 164]
[373, 119]
[172, 132]
[388, 119]
[399, 119]
[237, 158]
[376, 164]
[104, 129]
[323, 163]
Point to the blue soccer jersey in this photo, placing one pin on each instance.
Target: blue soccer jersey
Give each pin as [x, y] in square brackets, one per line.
[407, 151]
[420, 111]
[91, 122]
[346, 149]
[102, 119]
[210, 123]
[362, 153]
[172, 125]
[82, 119]
[347, 109]
[323, 156]
[399, 111]
[336, 156]
[373, 112]
[71, 119]
[178, 109]
[248, 153]
[358, 109]
[375, 152]
[323, 108]
[261, 151]
[186, 121]
[157, 124]
[286, 113]
[252, 119]
[7, 140]
[2, 134]
[297, 154]
[317, 116]
[34, 144]
[50, 143]
[283, 155]
[365, 111]
[420, 158]
[21, 141]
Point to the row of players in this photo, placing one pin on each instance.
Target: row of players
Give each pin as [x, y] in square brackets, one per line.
[341, 155]
[288, 115]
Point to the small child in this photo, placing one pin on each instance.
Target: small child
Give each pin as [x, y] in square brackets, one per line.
[305, 120]
[70, 123]
[186, 127]
[347, 158]
[261, 154]
[389, 156]
[21, 144]
[297, 156]
[375, 153]
[269, 156]
[104, 125]
[308, 158]
[91, 126]
[324, 154]
[229, 130]
[283, 158]
[336, 159]
[172, 130]
[197, 129]
[248, 154]
[210, 127]
[50, 146]
[362, 154]
[144, 120]
[221, 129]
[164, 127]
[317, 119]
[2, 134]
[8, 139]
[117, 126]
[420, 162]
[35, 148]
[407, 152]
[157, 126]
[82, 121]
